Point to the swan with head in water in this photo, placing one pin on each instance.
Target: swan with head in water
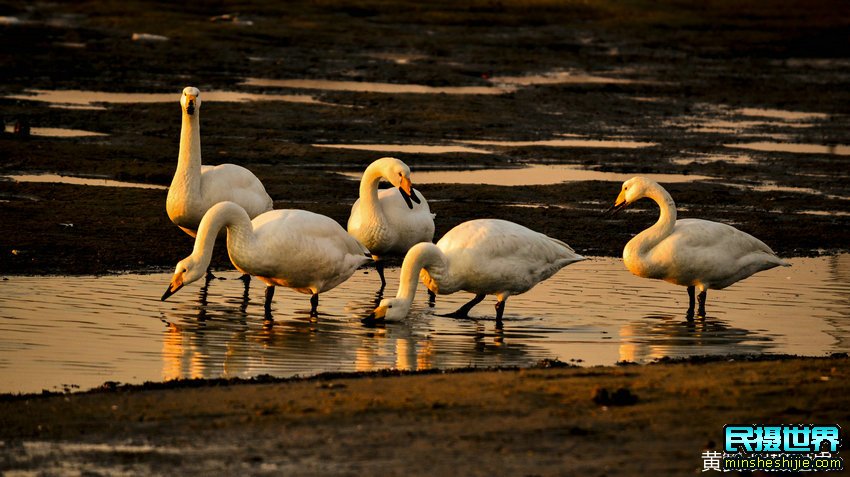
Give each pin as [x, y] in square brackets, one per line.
[485, 257]
[195, 187]
[307, 252]
[389, 222]
[693, 253]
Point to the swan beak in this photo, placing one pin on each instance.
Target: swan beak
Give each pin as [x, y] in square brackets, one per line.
[380, 313]
[176, 284]
[190, 104]
[619, 205]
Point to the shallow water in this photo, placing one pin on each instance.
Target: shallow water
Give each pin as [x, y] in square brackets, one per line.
[88, 181]
[374, 87]
[79, 99]
[536, 175]
[83, 331]
[57, 132]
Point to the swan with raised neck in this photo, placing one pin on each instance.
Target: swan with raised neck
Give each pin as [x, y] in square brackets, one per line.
[195, 187]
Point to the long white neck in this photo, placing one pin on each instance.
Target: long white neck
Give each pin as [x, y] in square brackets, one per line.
[369, 203]
[422, 255]
[240, 232]
[187, 178]
[649, 238]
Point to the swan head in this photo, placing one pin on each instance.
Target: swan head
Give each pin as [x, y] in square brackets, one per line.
[632, 190]
[191, 100]
[391, 309]
[187, 271]
[398, 174]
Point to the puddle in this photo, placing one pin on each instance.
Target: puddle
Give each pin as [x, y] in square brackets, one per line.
[770, 186]
[785, 115]
[77, 99]
[57, 331]
[764, 146]
[559, 77]
[372, 87]
[397, 58]
[567, 142]
[408, 148]
[88, 181]
[708, 158]
[56, 132]
[538, 175]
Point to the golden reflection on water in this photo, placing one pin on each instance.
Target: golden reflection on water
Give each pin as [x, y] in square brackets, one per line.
[115, 328]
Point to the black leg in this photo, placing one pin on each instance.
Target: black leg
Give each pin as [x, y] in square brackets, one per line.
[246, 279]
[701, 299]
[209, 276]
[463, 312]
[379, 266]
[269, 296]
[691, 291]
[500, 309]
[314, 305]
[432, 298]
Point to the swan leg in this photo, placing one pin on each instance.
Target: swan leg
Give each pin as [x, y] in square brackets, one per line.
[209, 276]
[246, 279]
[701, 299]
[314, 305]
[432, 297]
[463, 312]
[269, 296]
[379, 266]
[691, 292]
[500, 310]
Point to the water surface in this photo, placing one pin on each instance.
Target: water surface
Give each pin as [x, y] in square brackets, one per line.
[59, 331]
[536, 174]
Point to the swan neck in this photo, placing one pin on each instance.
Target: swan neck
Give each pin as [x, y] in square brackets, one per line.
[369, 191]
[422, 255]
[652, 236]
[189, 157]
[224, 214]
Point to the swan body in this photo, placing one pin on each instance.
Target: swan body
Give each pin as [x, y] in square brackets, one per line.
[390, 221]
[195, 187]
[485, 257]
[307, 252]
[695, 253]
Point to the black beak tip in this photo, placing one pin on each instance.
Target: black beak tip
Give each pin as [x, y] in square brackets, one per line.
[169, 292]
[406, 198]
[414, 197]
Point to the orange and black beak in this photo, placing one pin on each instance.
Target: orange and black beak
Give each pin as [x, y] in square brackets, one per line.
[176, 284]
[406, 189]
[378, 315]
[190, 104]
[619, 204]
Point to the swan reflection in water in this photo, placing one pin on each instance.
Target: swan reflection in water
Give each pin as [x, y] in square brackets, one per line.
[659, 336]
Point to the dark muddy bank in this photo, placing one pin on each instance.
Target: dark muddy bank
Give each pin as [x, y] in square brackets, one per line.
[679, 69]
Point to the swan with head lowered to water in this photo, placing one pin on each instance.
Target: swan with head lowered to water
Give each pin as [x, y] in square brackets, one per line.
[307, 252]
[484, 257]
[390, 221]
[693, 253]
[195, 187]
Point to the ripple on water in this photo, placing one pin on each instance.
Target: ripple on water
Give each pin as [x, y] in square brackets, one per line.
[116, 328]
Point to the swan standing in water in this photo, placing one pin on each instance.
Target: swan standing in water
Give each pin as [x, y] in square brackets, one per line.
[195, 187]
[693, 253]
[307, 252]
[485, 257]
[389, 221]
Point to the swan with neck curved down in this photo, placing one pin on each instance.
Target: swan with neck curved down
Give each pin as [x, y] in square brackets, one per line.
[389, 221]
[307, 252]
[694, 253]
[484, 257]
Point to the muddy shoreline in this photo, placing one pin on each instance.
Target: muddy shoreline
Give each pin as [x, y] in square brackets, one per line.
[526, 422]
[690, 81]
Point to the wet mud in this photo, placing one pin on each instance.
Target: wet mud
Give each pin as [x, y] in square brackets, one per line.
[669, 73]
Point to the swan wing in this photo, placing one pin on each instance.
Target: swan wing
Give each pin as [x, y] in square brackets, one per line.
[711, 253]
[236, 184]
[497, 256]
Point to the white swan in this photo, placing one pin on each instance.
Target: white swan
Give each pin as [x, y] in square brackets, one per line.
[693, 253]
[485, 257]
[307, 252]
[389, 222]
[196, 188]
